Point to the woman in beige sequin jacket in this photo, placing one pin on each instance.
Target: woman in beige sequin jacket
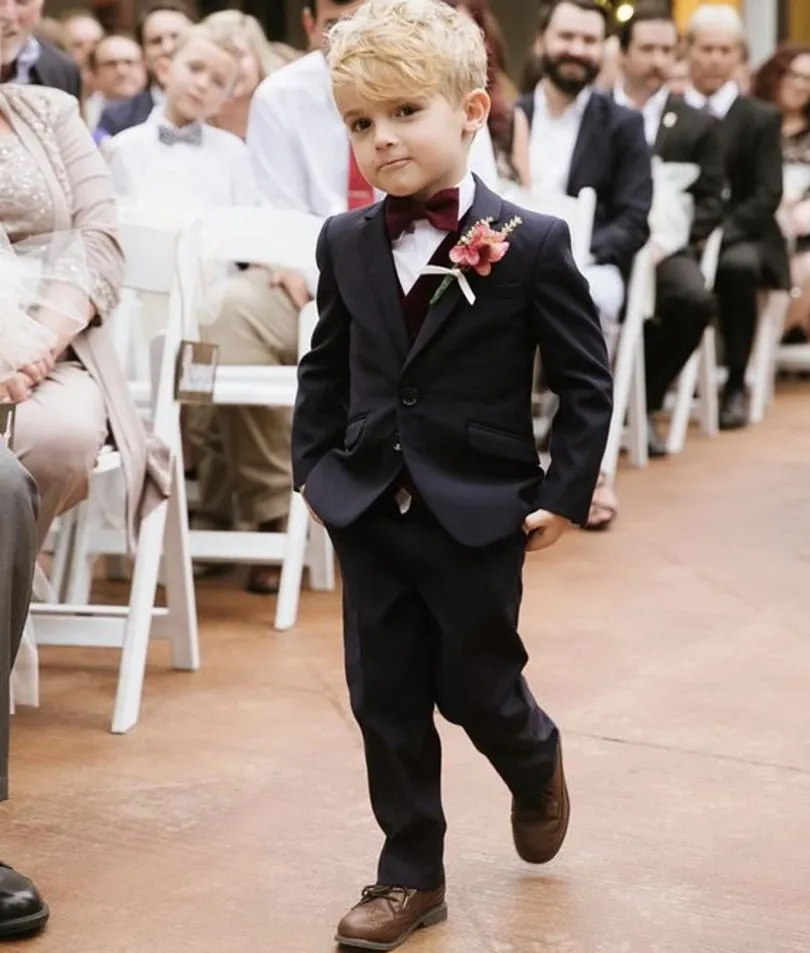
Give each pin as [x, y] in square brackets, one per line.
[53, 180]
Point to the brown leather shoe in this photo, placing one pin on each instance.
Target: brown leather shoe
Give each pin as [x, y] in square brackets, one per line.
[387, 916]
[539, 830]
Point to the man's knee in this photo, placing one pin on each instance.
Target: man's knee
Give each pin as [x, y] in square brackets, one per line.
[18, 491]
[66, 452]
[740, 262]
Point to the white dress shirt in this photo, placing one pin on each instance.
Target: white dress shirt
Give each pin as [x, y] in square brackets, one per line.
[414, 248]
[299, 146]
[182, 177]
[553, 140]
[652, 110]
[719, 103]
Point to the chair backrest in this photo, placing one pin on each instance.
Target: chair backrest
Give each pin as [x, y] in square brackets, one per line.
[576, 211]
[795, 180]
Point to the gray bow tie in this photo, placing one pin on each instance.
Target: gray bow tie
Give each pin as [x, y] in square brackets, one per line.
[190, 134]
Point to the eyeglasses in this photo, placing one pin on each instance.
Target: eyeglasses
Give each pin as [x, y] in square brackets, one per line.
[798, 77]
[112, 64]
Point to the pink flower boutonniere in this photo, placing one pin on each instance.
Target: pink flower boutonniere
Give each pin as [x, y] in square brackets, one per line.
[478, 250]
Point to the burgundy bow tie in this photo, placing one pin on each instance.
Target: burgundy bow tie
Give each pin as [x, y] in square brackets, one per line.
[441, 210]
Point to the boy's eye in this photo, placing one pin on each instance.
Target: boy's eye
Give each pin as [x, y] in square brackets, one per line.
[407, 110]
[359, 125]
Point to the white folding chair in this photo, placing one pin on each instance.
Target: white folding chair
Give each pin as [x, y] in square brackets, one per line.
[762, 366]
[150, 266]
[700, 371]
[576, 211]
[265, 236]
[629, 385]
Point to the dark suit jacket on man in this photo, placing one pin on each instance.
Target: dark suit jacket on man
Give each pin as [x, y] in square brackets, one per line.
[455, 407]
[129, 112]
[611, 156]
[750, 136]
[688, 135]
[56, 69]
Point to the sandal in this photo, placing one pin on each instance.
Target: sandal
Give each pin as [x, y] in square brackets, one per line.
[604, 508]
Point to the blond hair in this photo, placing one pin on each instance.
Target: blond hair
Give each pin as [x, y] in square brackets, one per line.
[231, 23]
[203, 31]
[394, 48]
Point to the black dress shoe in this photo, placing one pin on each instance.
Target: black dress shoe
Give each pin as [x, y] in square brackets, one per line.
[733, 410]
[656, 445]
[22, 909]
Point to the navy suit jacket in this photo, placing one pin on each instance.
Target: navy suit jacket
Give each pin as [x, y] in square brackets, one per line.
[129, 112]
[454, 407]
[56, 69]
[612, 157]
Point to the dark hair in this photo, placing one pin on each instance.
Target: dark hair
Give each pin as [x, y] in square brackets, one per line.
[312, 5]
[774, 70]
[92, 56]
[500, 115]
[589, 6]
[654, 11]
[160, 6]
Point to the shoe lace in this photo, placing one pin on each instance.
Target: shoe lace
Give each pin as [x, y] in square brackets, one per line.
[382, 892]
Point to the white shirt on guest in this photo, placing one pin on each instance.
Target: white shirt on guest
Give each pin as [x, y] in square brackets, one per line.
[719, 103]
[299, 146]
[415, 247]
[652, 110]
[553, 140]
[189, 178]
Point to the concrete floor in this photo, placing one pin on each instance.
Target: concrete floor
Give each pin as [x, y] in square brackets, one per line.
[674, 652]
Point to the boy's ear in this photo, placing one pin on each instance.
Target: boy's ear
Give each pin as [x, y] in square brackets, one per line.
[476, 110]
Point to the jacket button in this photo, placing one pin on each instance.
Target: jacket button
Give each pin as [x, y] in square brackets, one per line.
[397, 446]
[409, 396]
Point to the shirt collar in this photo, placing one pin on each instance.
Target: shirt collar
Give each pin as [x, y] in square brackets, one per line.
[576, 108]
[27, 60]
[158, 118]
[466, 194]
[719, 102]
[656, 102]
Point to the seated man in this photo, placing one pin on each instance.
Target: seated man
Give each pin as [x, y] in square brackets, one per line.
[22, 909]
[301, 159]
[754, 254]
[568, 136]
[678, 134]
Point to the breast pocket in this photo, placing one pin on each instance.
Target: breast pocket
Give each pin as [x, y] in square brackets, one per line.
[502, 444]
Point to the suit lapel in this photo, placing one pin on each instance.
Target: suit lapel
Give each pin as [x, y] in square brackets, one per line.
[379, 262]
[486, 204]
[587, 145]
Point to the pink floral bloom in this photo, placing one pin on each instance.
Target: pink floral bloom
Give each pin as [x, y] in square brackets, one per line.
[480, 248]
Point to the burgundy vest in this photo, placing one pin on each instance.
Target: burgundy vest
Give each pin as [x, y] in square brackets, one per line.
[416, 303]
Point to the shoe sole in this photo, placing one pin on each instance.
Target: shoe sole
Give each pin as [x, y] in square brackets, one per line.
[558, 847]
[429, 919]
[24, 926]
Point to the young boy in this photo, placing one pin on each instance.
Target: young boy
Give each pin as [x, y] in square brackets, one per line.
[175, 159]
[412, 442]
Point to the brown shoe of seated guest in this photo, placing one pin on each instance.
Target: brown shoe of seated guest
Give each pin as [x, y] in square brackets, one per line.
[539, 829]
[387, 916]
[265, 580]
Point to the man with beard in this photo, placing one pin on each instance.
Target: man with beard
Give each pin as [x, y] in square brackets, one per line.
[676, 133]
[568, 136]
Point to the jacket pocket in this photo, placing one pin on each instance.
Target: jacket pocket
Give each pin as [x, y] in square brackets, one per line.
[354, 430]
[502, 443]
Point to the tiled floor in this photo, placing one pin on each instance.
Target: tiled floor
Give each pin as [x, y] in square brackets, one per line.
[674, 651]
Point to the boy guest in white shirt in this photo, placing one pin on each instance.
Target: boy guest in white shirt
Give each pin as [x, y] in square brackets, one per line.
[413, 443]
[175, 158]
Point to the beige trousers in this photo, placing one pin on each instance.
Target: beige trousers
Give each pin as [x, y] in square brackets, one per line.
[245, 474]
[58, 433]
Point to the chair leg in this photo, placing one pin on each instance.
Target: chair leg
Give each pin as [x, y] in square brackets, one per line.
[61, 553]
[139, 621]
[179, 577]
[79, 582]
[709, 401]
[684, 399]
[637, 411]
[321, 559]
[289, 591]
[763, 358]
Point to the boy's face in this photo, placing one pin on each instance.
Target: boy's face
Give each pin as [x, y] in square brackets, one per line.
[200, 80]
[412, 146]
